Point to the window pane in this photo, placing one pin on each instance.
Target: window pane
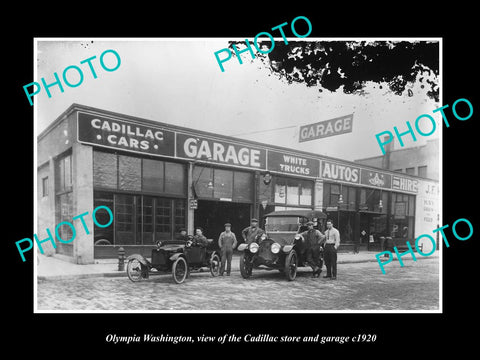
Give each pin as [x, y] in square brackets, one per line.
[411, 205]
[153, 175]
[45, 186]
[163, 219]
[410, 171]
[180, 215]
[305, 193]
[326, 194]
[201, 177]
[292, 193]
[352, 202]
[334, 189]
[223, 184]
[129, 173]
[105, 234]
[68, 171]
[175, 181]
[104, 170]
[280, 191]
[124, 220]
[422, 171]
[243, 189]
[60, 176]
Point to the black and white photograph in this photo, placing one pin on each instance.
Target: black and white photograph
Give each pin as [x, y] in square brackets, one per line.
[284, 169]
[221, 181]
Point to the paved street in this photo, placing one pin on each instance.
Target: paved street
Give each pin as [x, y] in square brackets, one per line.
[360, 286]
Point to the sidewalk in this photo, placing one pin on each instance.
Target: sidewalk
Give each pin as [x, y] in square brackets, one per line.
[52, 268]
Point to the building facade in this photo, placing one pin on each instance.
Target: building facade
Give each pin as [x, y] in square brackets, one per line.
[422, 161]
[157, 178]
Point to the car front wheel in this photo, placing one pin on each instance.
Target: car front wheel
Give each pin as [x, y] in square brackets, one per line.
[245, 267]
[215, 265]
[291, 265]
[179, 270]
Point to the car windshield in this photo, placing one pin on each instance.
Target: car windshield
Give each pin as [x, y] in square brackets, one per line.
[289, 223]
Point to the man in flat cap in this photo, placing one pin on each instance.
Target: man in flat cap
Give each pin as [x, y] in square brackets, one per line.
[251, 232]
[313, 240]
[227, 241]
[199, 238]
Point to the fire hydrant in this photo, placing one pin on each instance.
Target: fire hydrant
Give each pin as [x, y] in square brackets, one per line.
[121, 259]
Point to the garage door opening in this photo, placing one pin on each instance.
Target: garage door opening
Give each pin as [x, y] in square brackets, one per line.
[212, 215]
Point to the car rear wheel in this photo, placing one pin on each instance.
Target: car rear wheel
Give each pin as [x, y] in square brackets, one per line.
[291, 265]
[179, 270]
[135, 270]
[215, 265]
[245, 267]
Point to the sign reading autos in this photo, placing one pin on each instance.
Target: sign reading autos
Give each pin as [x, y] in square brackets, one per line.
[200, 148]
[119, 134]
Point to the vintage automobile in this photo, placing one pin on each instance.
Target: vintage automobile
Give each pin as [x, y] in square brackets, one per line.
[280, 247]
[176, 256]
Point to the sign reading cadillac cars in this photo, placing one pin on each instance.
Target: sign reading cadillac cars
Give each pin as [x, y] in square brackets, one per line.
[98, 130]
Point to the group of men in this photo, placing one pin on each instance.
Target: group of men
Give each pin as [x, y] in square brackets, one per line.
[314, 242]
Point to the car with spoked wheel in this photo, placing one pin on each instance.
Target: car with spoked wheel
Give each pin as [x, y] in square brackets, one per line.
[178, 257]
[281, 247]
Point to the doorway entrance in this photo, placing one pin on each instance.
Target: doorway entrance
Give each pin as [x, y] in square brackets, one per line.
[212, 215]
[372, 227]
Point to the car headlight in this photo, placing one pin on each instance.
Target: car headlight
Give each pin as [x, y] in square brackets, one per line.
[275, 248]
[297, 237]
[253, 248]
[263, 237]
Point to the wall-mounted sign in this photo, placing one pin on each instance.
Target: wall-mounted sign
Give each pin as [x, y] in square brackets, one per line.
[200, 148]
[292, 164]
[336, 171]
[404, 184]
[374, 178]
[336, 126]
[119, 134]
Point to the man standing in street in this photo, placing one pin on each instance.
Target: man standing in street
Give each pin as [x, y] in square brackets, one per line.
[227, 241]
[251, 232]
[313, 240]
[332, 242]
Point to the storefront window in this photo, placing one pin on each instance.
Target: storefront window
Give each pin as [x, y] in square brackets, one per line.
[124, 219]
[163, 210]
[153, 175]
[223, 184]
[104, 170]
[243, 186]
[63, 174]
[129, 173]
[293, 192]
[64, 207]
[103, 236]
[175, 179]
[180, 215]
[305, 194]
[402, 213]
[220, 183]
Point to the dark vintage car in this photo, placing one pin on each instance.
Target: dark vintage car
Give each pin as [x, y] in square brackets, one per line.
[176, 256]
[281, 247]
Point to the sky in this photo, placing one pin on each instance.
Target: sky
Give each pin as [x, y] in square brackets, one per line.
[179, 82]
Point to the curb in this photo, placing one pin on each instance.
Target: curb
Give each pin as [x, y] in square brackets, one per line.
[124, 273]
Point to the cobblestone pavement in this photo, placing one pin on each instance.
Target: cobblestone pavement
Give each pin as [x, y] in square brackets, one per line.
[359, 286]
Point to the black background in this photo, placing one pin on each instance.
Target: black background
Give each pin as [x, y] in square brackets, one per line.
[408, 334]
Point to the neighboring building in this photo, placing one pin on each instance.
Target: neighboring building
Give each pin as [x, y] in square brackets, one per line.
[157, 178]
[421, 161]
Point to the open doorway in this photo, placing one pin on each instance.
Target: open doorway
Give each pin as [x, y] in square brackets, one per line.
[212, 215]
